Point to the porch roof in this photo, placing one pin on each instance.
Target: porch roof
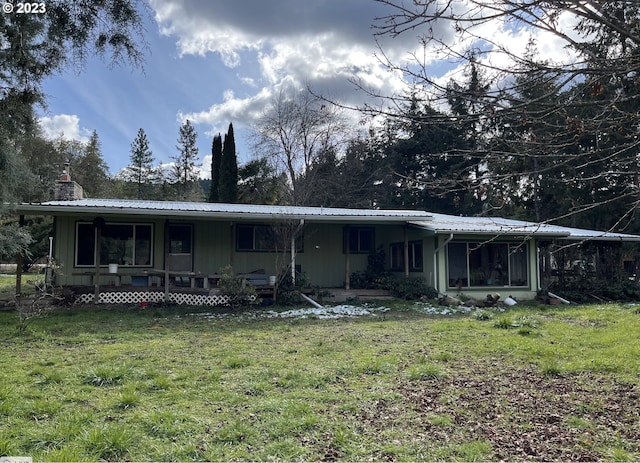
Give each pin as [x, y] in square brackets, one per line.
[447, 224]
[200, 210]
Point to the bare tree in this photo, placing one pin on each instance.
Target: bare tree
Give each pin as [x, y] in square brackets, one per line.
[295, 131]
[578, 129]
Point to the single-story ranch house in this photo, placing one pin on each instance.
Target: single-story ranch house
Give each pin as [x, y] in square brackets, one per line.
[153, 243]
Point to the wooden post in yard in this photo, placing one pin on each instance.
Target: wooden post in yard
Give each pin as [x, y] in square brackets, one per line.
[19, 262]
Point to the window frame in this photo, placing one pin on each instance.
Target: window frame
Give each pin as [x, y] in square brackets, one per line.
[346, 238]
[87, 240]
[399, 266]
[477, 247]
[257, 239]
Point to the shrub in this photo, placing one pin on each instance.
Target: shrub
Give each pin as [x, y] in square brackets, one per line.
[375, 276]
[239, 292]
[288, 291]
[411, 288]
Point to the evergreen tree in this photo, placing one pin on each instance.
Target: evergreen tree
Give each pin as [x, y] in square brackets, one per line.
[91, 171]
[259, 183]
[141, 169]
[34, 47]
[185, 173]
[228, 189]
[216, 159]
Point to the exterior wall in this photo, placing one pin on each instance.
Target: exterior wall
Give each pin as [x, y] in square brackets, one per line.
[65, 244]
[523, 293]
[212, 246]
[428, 248]
[323, 260]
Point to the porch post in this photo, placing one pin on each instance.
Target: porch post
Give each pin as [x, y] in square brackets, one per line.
[406, 253]
[232, 245]
[293, 258]
[96, 261]
[347, 260]
[167, 248]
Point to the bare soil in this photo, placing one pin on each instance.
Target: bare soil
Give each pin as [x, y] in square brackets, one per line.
[528, 416]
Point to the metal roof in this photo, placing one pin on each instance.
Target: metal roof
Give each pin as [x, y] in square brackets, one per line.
[433, 222]
[217, 210]
[447, 224]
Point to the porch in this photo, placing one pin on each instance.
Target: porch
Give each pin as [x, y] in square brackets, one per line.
[184, 295]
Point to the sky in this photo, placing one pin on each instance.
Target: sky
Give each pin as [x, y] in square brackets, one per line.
[220, 61]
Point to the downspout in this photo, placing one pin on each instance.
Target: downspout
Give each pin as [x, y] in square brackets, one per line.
[538, 263]
[435, 261]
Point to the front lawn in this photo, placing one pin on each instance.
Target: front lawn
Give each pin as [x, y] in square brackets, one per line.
[165, 384]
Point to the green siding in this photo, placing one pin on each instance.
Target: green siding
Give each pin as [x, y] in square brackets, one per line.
[480, 293]
[323, 260]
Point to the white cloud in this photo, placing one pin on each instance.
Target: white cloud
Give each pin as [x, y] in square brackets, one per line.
[64, 125]
[322, 45]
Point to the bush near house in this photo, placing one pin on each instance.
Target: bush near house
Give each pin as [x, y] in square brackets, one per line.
[412, 288]
[240, 293]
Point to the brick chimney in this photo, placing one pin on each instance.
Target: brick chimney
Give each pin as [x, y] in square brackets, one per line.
[66, 189]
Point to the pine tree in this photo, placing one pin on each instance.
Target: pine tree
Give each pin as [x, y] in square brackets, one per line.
[216, 159]
[141, 169]
[34, 47]
[91, 171]
[184, 172]
[228, 189]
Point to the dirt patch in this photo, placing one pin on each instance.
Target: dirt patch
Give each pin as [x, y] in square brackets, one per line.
[527, 416]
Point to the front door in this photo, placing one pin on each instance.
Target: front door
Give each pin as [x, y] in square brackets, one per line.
[180, 247]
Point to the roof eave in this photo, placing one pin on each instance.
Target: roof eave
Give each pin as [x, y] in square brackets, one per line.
[626, 238]
[40, 209]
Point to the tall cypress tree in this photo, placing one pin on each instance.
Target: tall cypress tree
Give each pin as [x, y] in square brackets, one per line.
[216, 159]
[228, 189]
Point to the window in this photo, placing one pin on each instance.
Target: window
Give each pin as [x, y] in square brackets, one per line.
[261, 238]
[359, 239]
[490, 264]
[415, 256]
[123, 244]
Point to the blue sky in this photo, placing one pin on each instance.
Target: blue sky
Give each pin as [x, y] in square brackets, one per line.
[214, 63]
[220, 61]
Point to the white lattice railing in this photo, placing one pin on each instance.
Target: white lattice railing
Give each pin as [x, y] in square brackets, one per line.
[137, 297]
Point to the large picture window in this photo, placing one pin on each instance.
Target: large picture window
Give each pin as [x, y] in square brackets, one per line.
[489, 264]
[124, 244]
[415, 256]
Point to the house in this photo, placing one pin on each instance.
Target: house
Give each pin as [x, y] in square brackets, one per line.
[149, 246]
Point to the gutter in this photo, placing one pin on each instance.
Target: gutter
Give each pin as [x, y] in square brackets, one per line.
[33, 209]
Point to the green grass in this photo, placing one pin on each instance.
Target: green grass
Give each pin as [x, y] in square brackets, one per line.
[93, 384]
[8, 283]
